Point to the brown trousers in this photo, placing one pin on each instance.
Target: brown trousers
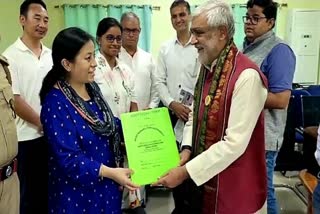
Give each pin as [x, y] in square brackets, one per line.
[9, 195]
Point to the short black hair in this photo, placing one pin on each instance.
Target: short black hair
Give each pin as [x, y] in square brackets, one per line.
[176, 3]
[24, 7]
[269, 7]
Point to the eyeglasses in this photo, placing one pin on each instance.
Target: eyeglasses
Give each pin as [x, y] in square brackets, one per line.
[110, 38]
[134, 31]
[252, 19]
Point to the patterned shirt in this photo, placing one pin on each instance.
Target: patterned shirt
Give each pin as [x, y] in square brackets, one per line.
[116, 85]
[75, 156]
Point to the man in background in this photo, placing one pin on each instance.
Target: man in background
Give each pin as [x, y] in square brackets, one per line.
[143, 67]
[177, 70]
[277, 62]
[140, 62]
[29, 62]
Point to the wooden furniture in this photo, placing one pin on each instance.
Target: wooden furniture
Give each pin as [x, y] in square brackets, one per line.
[309, 182]
[309, 147]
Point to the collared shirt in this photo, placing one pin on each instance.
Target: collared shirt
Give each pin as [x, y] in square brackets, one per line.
[317, 153]
[8, 133]
[116, 85]
[177, 69]
[27, 72]
[177, 72]
[241, 123]
[143, 67]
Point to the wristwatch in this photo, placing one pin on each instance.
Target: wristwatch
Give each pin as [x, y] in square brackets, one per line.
[186, 147]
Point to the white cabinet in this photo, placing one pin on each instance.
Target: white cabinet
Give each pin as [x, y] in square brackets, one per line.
[303, 36]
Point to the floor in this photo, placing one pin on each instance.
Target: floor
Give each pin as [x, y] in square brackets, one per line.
[161, 202]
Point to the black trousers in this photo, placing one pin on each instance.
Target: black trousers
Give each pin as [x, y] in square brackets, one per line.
[178, 198]
[138, 210]
[177, 192]
[188, 198]
[33, 176]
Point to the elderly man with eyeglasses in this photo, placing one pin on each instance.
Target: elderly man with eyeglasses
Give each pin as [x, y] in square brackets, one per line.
[277, 61]
[143, 66]
[141, 62]
[226, 170]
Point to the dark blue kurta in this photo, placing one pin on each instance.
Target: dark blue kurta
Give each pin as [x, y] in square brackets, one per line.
[75, 156]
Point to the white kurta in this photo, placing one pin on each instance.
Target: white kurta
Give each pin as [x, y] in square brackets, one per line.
[143, 67]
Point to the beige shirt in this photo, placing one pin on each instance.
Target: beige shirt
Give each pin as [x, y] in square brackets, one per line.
[248, 100]
[8, 132]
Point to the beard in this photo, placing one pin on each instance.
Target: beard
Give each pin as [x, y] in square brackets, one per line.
[203, 57]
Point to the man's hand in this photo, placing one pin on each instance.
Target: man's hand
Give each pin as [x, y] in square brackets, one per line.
[173, 178]
[184, 156]
[180, 110]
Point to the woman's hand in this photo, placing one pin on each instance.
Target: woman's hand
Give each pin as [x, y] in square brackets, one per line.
[119, 175]
[122, 177]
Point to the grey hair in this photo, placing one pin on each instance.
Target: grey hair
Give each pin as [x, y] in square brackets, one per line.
[218, 13]
[128, 15]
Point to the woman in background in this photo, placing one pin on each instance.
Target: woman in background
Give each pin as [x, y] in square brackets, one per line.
[114, 78]
[82, 133]
[116, 82]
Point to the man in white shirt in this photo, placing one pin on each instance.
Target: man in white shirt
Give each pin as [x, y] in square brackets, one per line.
[177, 70]
[177, 67]
[143, 67]
[140, 62]
[225, 128]
[29, 63]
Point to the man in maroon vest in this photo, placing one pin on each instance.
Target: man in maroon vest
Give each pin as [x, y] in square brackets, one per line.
[225, 130]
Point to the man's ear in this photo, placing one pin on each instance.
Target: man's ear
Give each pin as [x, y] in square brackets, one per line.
[223, 32]
[22, 20]
[271, 22]
[66, 64]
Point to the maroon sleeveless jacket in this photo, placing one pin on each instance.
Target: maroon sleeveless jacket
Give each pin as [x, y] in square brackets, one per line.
[242, 187]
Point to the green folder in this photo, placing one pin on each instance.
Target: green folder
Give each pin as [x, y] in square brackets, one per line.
[150, 144]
